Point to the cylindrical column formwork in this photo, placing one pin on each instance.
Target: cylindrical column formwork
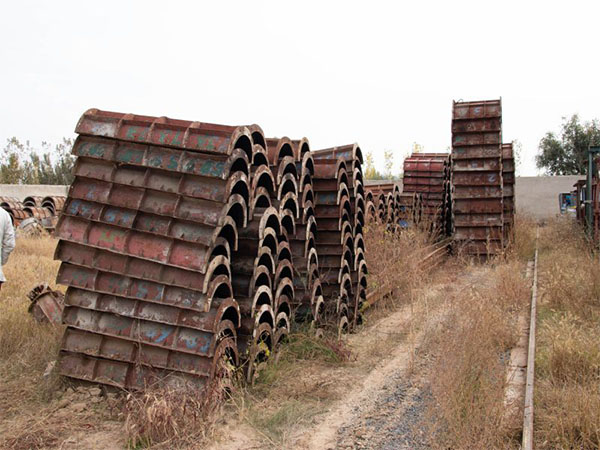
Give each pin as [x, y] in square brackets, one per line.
[477, 177]
[146, 239]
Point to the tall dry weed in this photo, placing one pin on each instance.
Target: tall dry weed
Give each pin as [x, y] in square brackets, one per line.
[172, 417]
[471, 351]
[567, 392]
[393, 260]
[26, 346]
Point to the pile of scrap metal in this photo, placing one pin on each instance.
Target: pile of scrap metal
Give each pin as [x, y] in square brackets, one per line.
[387, 204]
[482, 177]
[34, 213]
[46, 305]
[191, 249]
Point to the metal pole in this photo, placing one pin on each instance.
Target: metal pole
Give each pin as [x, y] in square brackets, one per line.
[527, 442]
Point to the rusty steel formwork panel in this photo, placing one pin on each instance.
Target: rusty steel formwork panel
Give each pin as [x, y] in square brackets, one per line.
[508, 189]
[383, 196]
[46, 305]
[254, 269]
[409, 207]
[146, 239]
[54, 204]
[38, 212]
[428, 174]
[334, 241]
[33, 201]
[293, 159]
[14, 208]
[284, 161]
[477, 176]
[352, 242]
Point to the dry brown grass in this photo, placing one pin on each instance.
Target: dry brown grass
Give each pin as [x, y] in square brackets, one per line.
[393, 261]
[567, 392]
[26, 347]
[34, 412]
[310, 373]
[297, 386]
[470, 353]
[166, 417]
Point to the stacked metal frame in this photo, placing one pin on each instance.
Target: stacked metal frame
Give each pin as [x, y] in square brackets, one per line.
[146, 239]
[477, 177]
[428, 174]
[334, 242]
[508, 188]
[353, 158]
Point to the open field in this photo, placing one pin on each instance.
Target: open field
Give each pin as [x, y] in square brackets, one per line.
[426, 370]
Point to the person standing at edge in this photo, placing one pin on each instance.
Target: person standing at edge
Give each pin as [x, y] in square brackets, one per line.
[7, 241]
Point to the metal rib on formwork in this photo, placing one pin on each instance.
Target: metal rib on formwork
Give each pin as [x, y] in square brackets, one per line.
[477, 176]
[428, 175]
[335, 241]
[508, 189]
[352, 156]
[146, 237]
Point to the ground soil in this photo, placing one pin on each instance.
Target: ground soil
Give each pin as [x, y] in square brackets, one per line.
[383, 392]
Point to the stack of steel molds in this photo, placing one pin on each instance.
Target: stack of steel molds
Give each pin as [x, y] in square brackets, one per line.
[54, 204]
[33, 201]
[293, 165]
[146, 239]
[334, 241]
[352, 156]
[477, 177]
[387, 204]
[382, 198]
[428, 174]
[14, 208]
[35, 208]
[508, 186]
[190, 248]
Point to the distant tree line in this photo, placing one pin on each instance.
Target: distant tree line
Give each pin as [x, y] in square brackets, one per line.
[22, 163]
[565, 153]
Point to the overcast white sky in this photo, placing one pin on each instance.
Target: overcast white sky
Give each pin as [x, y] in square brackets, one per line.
[383, 74]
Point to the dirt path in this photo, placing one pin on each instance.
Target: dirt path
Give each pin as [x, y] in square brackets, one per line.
[384, 392]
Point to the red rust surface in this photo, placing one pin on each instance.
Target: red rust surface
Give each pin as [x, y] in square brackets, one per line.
[477, 176]
[146, 236]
